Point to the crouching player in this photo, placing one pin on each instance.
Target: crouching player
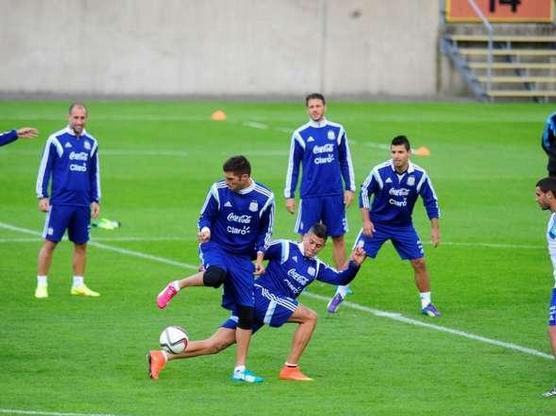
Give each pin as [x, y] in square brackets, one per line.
[291, 268]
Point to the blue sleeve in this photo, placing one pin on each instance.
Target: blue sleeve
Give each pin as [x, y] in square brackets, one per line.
[329, 275]
[296, 156]
[548, 133]
[264, 235]
[429, 199]
[345, 163]
[210, 209]
[94, 177]
[8, 137]
[368, 188]
[45, 169]
[274, 250]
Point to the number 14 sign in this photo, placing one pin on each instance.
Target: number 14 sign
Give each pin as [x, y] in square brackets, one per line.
[503, 11]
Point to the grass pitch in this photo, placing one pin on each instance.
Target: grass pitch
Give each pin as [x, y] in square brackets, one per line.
[491, 275]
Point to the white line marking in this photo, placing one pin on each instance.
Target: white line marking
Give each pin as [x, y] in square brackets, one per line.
[110, 248]
[383, 314]
[38, 412]
[256, 125]
[400, 318]
[104, 239]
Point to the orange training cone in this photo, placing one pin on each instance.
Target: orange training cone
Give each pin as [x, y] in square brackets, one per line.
[422, 151]
[218, 115]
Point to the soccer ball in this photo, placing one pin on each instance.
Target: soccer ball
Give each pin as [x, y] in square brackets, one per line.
[174, 339]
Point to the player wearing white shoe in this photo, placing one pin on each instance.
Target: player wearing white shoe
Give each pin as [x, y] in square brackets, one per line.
[70, 163]
[394, 187]
[545, 194]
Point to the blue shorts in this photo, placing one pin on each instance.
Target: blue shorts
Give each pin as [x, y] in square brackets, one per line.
[270, 309]
[552, 309]
[77, 220]
[404, 238]
[330, 210]
[238, 286]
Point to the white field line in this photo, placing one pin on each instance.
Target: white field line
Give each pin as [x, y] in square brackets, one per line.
[40, 413]
[376, 312]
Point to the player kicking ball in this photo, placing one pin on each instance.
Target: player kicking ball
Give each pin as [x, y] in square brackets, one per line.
[291, 268]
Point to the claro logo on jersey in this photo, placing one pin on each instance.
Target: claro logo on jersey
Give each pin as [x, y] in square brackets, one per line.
[239, 219]
[320, 150]
[402, 194]
[78, 156]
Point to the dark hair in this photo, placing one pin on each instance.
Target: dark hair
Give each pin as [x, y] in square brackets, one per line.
[238, 165]
[547, 184]
[77, 104]
[401, 140]
[314, 96]
[320, 230]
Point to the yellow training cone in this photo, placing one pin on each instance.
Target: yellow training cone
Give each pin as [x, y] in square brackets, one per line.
[218, 115]
[422, 151]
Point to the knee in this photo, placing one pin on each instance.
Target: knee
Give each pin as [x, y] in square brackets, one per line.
[214, 277]
[245, 317]
[419, 264]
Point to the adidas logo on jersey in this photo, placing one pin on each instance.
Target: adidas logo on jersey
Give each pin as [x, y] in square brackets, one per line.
[310, 139]
[388, 180]
[67, 145]
[228, 204]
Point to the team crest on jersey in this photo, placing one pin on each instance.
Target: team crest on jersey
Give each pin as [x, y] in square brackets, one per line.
[311, 271]
[87, 145]
[411, 180]
[253, 206]
[331, 135]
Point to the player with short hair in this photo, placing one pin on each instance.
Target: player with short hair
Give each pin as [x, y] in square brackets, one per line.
[14, 134]
[291, 268]
[394, 187]
[545, 194]
[236, 220]
[321, 148]
[70, 163]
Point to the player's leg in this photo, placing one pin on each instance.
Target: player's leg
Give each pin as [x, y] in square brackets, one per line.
[55, 225]
[407, 243]
[422, 281]
[371, 245]
[78, 233]
[552, 334]
[239, 295]
[307, 322]
[219, 341]
[333, 215]
[213, 275]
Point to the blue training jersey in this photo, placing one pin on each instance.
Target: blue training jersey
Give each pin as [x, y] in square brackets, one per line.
[73, 164]
[8, 137]
[240, 222]
[322, 149]
[289, 272]
[394, 195]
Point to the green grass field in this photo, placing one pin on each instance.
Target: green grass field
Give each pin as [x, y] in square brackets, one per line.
[491, 275]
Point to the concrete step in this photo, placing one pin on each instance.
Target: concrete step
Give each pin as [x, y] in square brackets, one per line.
[518, 79]
[503, 38]
[507, 52]
[520, 93]
[513, 65]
